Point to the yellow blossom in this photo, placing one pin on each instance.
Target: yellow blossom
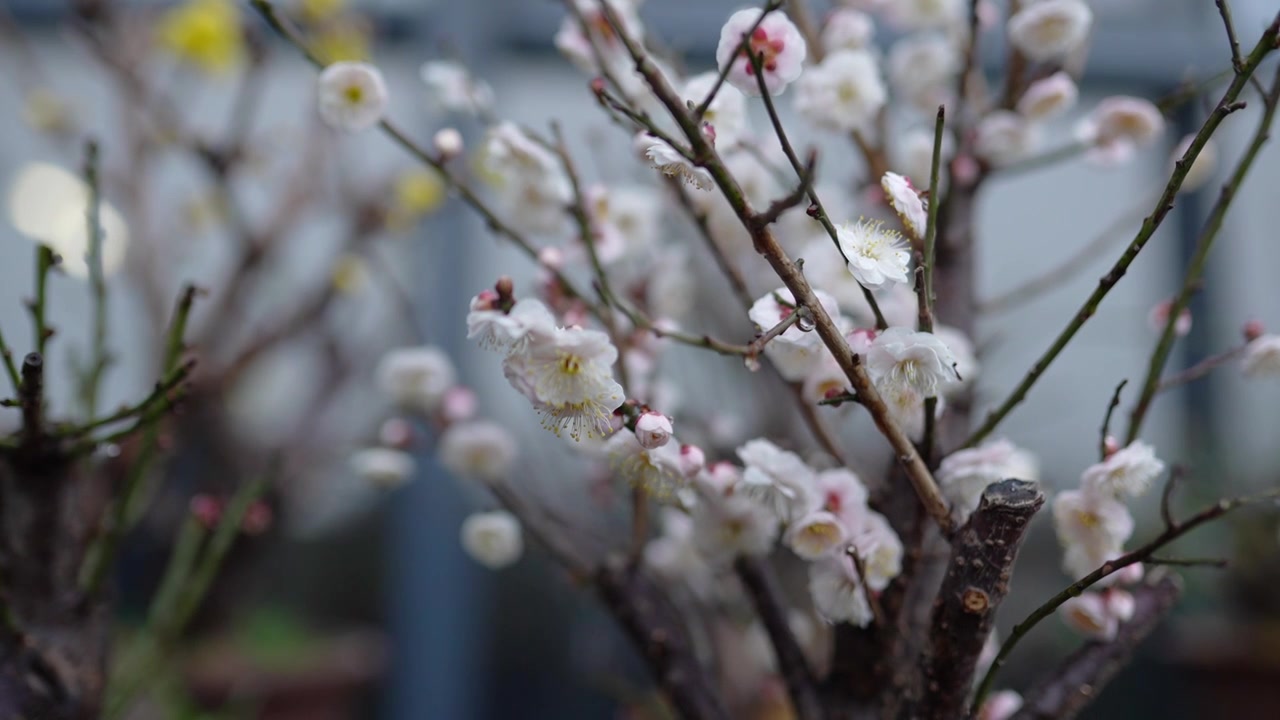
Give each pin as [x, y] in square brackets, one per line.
[416, 193]
[205, 33]
[341, 42]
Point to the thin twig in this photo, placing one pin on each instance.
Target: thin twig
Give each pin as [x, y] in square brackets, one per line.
[1199, 260]
[766, 596]
[1105, 430]
[99, 358]
[1189, 562]
[1225, 106]
[1225, 11]
[1166, 497]
[1201, 369]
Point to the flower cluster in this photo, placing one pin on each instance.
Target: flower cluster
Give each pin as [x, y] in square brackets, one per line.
[1093, 524]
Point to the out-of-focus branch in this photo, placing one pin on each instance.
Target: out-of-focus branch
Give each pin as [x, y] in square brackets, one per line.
[977, 580]
[767, 598]
[1200, 369]
[1171, 532]
[1196, 266]
[1082, 675]
[99, 356]
[1105, 430]
[1226, 105]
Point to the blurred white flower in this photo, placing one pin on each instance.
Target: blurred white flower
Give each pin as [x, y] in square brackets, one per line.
[352, 96]
[671, 163]
[532, 186]
[383, 467]
[906, 202]
[922, 69]
[448, 143]
[493, 539]
[727, 113]
[1126, 472]
[844, 92]
[1050, 29]
[837, 592]
[1262, 357]
[913, 154]
[848, 29]
[906, 406]
[795, 352]
[816, 534]
[658, 471]
[879, 549]
[776, 40]
[48, 205]
[453, 88]
[1000, 706]
[496, 330]
[416, 378]
[1092, 528]
[965, 474]
[926, 14]
[1090, 615]
[963, 352]
[877, 255]
[1048, 97]
[1119, 125]
[479, 449]
[1005, 137]
[775, 478]
[727, 527]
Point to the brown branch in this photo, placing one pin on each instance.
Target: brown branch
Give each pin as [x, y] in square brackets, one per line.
[1105, 430]
[982, 557]
[1076, 682]
[766, 596]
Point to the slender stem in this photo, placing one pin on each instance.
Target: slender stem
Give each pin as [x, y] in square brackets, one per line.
[1225, 11]
[46, 259]
[931, 229]
[1201, 369]
[1141, 554]
[99, 358]
[1225, 106]
[817, 211]
[1105, 430]
[10, 367]
[1196, 266]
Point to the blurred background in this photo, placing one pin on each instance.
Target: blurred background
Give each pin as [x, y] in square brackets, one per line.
[359, 603]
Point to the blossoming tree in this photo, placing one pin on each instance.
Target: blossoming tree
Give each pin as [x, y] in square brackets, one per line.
[907, 569]
[856, 318]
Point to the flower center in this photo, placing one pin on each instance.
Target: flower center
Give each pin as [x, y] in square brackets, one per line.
[766, 49]
[353, 94]
[570, 364]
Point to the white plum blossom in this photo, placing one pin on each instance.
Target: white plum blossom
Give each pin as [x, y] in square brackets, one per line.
[1125, 472]
[1092, 529]
[493, 539]
[1118, 126]
[569, 379]
[728, 527]
[653, 430]
[675, 557]
[692, 460]
[906, 202]
[877, 255]
[841, 492]
[814, 535]
[906, 406]
[795, 352]
[658, 470]
[901, 357]
[727, 113]
[844, 92]
[573, 42]
[880, 550]
[824, 380]
[926, 14]
[848, 29]
[453, 88]
[383, 467]
[478, 449]
[775, 478]
[671, 163]
[962, 351]
[1048, 97]
[838, 594]
[1050, 29]
[1262, 357]
[776, 41]
[352, 96]
[922, 69]
[448, 143]
[965, 474]
[496, 330]
[1005, 137]
[532, 185]
[1098, 615]
[416, 378]
[1000, 706]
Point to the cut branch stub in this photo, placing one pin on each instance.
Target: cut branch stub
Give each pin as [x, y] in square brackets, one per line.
[1078, 680]
[977, 580]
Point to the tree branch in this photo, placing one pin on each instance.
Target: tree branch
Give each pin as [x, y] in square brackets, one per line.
[1078, 680]
[767, 598]
[982, 557]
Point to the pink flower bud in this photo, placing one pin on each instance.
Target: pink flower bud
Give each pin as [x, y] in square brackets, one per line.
[1000, 706]
[1253, 330]
[1160, 315]
[207, 510]
[1119, 603]
[448, 142]
[552, 257]
[257, 519]
[1110, 446]
[459, 404]
[1129, 574]
[692, 460]
[653, 430]
[396, 433]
